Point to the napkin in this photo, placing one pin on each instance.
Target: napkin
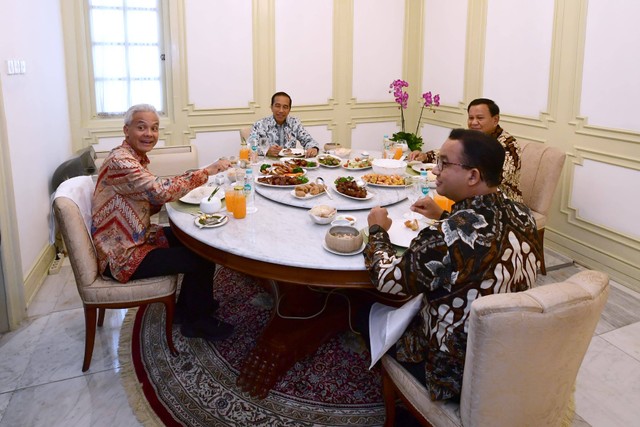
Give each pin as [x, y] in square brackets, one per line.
[387, 324]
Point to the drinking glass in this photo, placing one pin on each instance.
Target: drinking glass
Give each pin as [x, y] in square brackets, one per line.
[240, 204]
[263, 147]
[414, 192]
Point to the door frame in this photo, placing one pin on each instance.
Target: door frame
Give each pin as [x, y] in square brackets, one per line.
[12, 302]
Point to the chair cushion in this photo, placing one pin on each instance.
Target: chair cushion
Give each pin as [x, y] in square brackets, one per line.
[135, 291]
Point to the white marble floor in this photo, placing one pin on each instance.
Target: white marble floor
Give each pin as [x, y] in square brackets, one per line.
[41, 382]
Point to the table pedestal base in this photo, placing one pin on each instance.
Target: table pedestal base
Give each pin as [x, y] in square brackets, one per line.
[286, 340]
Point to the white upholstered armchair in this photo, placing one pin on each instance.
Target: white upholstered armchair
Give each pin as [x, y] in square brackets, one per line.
[524, 350]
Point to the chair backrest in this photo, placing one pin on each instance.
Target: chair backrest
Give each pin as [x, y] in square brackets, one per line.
[77, 240]
[524, 350]
[244, 133]
[540, 171]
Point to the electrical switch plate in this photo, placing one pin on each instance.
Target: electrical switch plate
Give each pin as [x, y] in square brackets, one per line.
[10, 67]
[23, 66]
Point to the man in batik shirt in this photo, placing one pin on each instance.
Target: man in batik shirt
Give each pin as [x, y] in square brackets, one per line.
[282, 130]
[484, 115]
[129, 247]
[487, 244]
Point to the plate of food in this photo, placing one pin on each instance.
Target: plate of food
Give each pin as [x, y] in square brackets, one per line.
[282, 168]
[357, 163]
[211, 220]
[308, 191]
[357, 251]
[291, 152]
[194, 196]
[348, 187]
[403, 231]
[378, 180]
[422, 166]
[281, 181]
[329, 161]
[301, 163]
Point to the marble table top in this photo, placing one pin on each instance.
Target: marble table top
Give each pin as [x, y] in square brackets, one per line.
[286, 235]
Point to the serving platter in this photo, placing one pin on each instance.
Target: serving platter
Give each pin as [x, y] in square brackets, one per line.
[422, 166]
[369, 196]
[307, 196]
[332, 156]
[407, 182]
[266, 184]
[306, 167]
[194, 196]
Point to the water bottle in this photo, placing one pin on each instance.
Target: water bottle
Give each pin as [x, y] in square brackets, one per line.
[386, 147]
[253, 144]
[424, 183]
[250, 190]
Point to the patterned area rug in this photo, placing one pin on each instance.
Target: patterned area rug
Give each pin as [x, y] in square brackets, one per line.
[334, 387]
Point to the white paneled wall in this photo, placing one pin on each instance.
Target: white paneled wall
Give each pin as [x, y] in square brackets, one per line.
[444, 50]
[610, 64]
[304, 49]
[368, 136]
[219, 53]
[378, 31]
[518, 55]
[593, 198]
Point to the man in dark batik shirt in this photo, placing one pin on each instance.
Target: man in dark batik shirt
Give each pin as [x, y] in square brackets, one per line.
[487, 244]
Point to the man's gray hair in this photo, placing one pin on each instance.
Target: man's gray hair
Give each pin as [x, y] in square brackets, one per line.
[139, 108]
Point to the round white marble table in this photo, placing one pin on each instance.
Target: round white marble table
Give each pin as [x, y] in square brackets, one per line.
[280, 243]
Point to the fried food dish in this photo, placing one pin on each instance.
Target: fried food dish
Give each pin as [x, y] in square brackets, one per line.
[412, 224]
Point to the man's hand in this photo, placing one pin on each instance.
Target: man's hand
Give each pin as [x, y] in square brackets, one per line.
[379, 216]
[418, 156]
[427, 207]
[274, 150]
[217, 167]
[311, 152]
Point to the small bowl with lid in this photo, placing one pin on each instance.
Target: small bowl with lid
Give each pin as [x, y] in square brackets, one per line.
[343, 238]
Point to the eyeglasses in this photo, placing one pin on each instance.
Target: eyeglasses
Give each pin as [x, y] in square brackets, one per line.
[443, 164]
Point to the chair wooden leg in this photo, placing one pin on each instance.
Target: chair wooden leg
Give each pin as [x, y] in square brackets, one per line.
[543, 267]
[169, 306]
[89, 336]
[389, 396]
[101, 312]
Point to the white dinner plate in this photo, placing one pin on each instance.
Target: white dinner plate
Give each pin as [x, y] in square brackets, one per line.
[194, 196]
[423, 166]
[356, 169]
[357, 251]
[369, 194]
[218, 224]
[406, 184]
[291, 152]
[401, 235]
[307, 196]
[330, 166]
[284, 159]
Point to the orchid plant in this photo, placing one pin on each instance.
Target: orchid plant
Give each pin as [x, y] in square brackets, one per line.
[430, 101]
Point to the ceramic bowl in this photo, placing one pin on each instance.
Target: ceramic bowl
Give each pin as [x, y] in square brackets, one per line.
[210, 206]
[344, 220]
[389, 166]
[322, 214]
[343, 238]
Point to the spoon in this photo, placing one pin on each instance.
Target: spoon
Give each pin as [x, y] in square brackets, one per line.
[320, 180]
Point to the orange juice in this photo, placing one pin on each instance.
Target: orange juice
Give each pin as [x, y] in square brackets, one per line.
[443, 202]
[398, 153]
[244, 152]
[230, 200]
[240, 204]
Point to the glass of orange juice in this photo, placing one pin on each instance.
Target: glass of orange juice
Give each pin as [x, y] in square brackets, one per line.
[397, 150]
[229, 198]
[240, 203]
[443, 202]
[244, 152]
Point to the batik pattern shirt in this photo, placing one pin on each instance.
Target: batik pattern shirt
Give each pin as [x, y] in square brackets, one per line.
[488, 244]
[510, 185]
[284, 135]
[126, 196]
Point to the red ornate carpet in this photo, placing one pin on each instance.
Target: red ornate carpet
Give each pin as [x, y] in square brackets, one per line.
[334, 387]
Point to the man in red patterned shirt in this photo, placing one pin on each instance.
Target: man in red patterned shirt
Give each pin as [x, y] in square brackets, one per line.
[129, 247]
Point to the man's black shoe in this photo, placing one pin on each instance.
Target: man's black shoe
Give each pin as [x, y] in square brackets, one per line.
[209, 329]
[179, 317]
